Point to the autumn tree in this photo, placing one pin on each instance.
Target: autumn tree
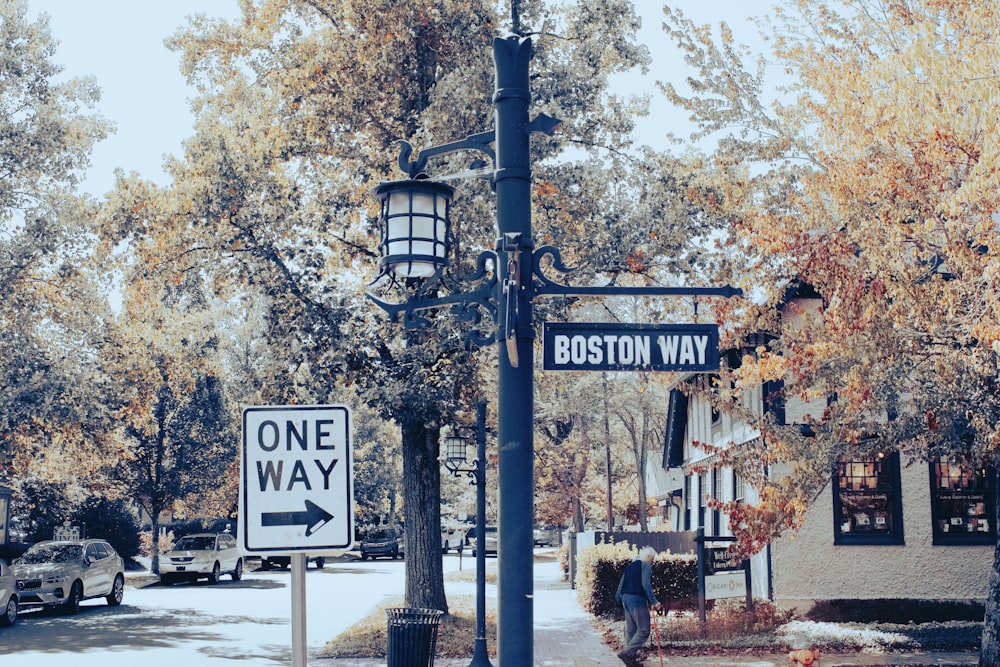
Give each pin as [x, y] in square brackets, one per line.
[881, 194]
[176, 432]
[52, 313]
[592, 449]
[300, 104]
[564, 455]
[177, 436]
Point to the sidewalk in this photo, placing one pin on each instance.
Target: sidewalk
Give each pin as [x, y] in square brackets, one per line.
[565, 636]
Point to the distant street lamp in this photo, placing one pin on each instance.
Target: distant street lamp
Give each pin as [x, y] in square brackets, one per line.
[456, 446]
[414, 250]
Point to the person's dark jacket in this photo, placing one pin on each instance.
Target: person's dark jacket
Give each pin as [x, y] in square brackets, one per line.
[636, 580]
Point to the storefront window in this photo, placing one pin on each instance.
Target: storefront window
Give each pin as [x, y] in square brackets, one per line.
[963, 502]
[867, 501]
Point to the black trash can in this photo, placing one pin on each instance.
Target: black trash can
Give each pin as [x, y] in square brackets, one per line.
[412, 636]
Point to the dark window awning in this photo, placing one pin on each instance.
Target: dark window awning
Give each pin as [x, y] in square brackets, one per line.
[673, 446]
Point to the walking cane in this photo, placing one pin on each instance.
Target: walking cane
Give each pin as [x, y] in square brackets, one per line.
[656, 635]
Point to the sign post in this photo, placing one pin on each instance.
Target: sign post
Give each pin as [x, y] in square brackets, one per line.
[719, 574]
[296, 492]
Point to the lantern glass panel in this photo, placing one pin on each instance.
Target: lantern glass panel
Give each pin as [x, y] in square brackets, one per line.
[455, 448]
[415, 231]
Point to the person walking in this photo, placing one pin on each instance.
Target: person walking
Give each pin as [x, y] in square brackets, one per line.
[635, 594]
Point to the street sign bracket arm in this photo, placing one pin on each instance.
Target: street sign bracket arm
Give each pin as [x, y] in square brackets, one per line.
[545, 286]
[474, 142]
[467, 306]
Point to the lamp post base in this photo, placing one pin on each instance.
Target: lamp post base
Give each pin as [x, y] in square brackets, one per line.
[480, 657]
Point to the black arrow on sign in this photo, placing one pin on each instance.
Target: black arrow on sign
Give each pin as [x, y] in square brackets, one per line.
[315, 517]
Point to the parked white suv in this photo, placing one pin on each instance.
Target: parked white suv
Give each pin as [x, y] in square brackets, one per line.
[202, 556]
[451, 538]
[8, 595]
[61, 573]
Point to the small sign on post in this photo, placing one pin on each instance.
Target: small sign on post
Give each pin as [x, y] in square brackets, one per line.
[68, 531]
[720, 575]
[296, 491]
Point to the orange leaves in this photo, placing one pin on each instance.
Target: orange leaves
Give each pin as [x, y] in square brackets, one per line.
[932, 421]
[546, 188]
[636, 261]
[779, 509]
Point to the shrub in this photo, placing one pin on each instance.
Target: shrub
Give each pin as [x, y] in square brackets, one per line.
[599, 568]
[146, 543]
[896, 611]
[113, 521]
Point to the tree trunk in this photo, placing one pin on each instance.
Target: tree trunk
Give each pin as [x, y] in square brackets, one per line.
[641, 457]
[422, 516]
[391, 520]
[989, 650]
[155, 543]
[578, 519]
[607, 453]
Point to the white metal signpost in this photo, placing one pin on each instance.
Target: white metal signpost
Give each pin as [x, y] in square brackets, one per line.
[296, 491]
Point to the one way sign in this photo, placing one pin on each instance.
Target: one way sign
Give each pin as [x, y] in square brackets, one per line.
[296, 479]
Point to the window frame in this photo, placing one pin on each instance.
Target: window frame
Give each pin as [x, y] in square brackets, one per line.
[716, 495]
[739, 488]
[891, 471]
[689, 482]
[701, 499]
[940, 537]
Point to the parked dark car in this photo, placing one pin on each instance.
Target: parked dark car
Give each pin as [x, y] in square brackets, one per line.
[382, 542]
[60, 574]
[269, 562]
[546, 536]
[491, 540]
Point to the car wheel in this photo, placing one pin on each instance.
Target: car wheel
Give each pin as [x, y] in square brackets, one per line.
[213, 577]
[10, 613]
[320, 563]
[444, 549]
[238, 572]
[364, 556]
[265, 564]
[167, 579]
[114, 598]
[72, 604]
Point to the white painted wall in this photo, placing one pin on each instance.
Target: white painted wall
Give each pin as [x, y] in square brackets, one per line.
[807, 566]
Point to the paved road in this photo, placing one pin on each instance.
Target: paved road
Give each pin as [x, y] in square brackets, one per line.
[189, 625]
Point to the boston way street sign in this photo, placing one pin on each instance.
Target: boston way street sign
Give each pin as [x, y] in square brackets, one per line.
[631, 347]
[296, 479]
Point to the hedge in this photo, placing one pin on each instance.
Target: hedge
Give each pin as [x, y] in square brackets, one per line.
[600, 567]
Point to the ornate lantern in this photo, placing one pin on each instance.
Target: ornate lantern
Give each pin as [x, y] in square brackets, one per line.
[415, 227]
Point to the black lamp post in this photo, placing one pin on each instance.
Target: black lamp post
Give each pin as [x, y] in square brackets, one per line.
[506, 292]
[455, 460]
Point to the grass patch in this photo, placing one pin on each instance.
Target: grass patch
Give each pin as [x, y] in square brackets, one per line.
[456, 633]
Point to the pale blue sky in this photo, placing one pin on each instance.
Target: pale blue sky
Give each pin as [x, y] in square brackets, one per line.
[120, 42]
